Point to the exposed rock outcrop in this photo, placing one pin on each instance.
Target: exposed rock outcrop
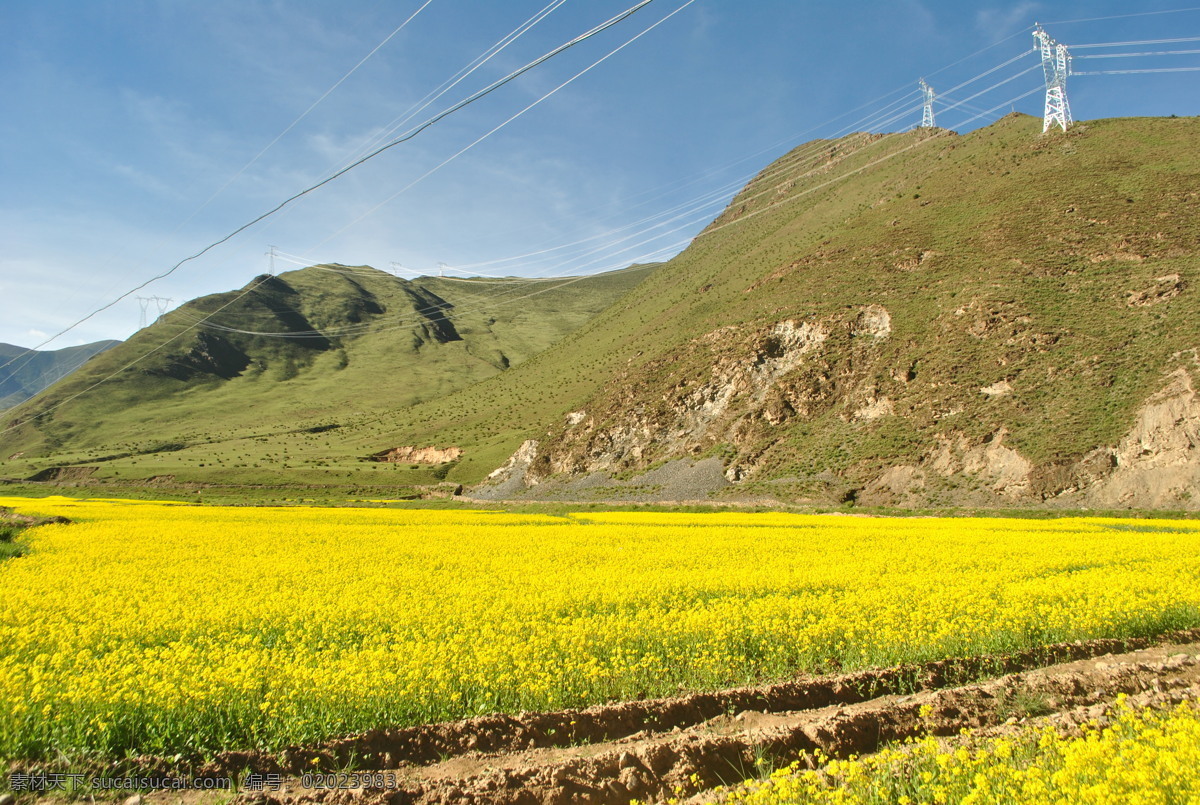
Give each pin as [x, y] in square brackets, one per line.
[754, 378]
[1157, 464]
[420, 455]
[697, 412]
[1164, 289]
[512, 476]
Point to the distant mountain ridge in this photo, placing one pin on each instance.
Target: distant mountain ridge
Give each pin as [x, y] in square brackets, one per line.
[307, 346]
[31, 371]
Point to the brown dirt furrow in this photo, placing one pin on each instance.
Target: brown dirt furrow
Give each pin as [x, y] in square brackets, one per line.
[686, 746]
[435, 743]
[728, 749]
[7, 515]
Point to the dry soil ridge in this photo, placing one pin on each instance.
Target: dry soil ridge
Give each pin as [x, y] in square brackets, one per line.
[690, 744]
[726, 749]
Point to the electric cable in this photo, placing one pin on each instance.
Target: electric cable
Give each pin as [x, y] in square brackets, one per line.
[738, 183]
[315, 104]
[454, 80]
[495, 129]
[132, 363]
[1130, 55]
[1135, 43]
[1127, 16]
[32, 350]
[403, 138]
[813, 189]
[1129, 72]
[492, 302]
[731, 186]
[447, 85]
[350, 330]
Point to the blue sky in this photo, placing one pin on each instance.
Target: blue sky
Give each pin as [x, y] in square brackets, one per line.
[127, 127]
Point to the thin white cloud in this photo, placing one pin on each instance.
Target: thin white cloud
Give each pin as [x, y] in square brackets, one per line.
[918, 18]
[147, 182]
[1000, 22]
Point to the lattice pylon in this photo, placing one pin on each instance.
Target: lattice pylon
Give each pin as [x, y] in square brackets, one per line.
[927, 105]
[1056, 63]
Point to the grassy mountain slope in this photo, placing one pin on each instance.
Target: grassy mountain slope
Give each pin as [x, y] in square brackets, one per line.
[1036, 289]
[30, 372]
[340, 340]
[907, 319]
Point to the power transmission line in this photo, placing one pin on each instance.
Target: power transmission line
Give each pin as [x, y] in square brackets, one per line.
[233, 178]
[1127, 16]
[770, 207]
[1147, 70]
[402, 139]
[132, 363]
[969, 81]
[315, 104]
[1130, 55]
[497, 128]
[870, 121]
[705, 233]
[1136, 43]
[460, 76]
[447, 85]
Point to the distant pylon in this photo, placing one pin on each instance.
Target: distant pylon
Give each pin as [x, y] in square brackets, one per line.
[271, 254]
[927, 103]
[442, 269]
[1056, 63]
[396, 268]
[161, 303]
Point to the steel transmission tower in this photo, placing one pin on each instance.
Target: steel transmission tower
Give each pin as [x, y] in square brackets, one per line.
[1056, 62]
[927, 101]
[159, 301]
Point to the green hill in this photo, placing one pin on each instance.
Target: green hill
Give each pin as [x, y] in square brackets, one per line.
[294, 354]
[29, 371]
[1000, 318]
[917, 319]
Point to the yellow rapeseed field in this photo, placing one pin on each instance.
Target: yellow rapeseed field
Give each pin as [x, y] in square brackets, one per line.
[1148, 757]
[166, 628]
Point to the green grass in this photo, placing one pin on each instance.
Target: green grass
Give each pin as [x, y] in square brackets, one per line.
[258, 408]
[9, 546]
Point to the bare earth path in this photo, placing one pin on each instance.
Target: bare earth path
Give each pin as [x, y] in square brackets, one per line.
[687, 745]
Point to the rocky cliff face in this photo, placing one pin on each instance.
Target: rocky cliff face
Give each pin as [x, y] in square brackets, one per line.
[758, 381]
[1157, 464]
